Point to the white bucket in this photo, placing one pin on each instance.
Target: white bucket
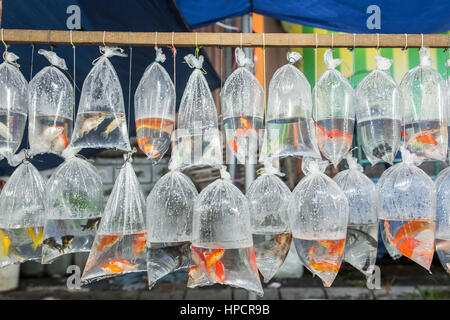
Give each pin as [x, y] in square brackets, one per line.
[9, 277]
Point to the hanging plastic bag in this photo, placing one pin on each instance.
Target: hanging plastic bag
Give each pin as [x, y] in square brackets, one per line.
[222, 246]
[13, 105]
[425, 110]
[289, 124]
[170, 207]
[379, 113]
[74, 203]
[443, 218]
[408, 210]
[154, 103]
[22, 216]
[268, 198]
[318, 215]
[198, 140]
[120, 243]
[362, 231]
[50, 105]
[242, 103]
[333, 111]
[101, 121]
[448, 103]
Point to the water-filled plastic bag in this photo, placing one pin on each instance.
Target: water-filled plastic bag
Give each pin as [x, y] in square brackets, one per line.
[154, 105]
[13, 105]
[120, 243]
[50, 106]
[443, 218]
[362, 231]
[101, 121]
[318, 215]
[379, 113]
[242, 105]
[74, 203]
[222, 245]
[22, 216]
[333, 111]
[425, 110]
[408, 211]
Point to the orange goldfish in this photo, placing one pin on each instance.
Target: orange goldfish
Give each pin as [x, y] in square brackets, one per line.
[60, 143]
[404, 133]
[150, 148]
[407, 246]
[107, 241]
[208, 263]
[335, 247]
[245, 123]
[233, 145]
[153, 123]
[426, 138]
[410, 229]
[111, 268]
[139, 243]
[324, 266]
[92, 123]
[142, 141]
[335, 133]
[123, 264]
[283, 238]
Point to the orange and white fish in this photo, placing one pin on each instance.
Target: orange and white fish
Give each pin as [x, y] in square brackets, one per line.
[208, 263]
[111, 268]
[123, 264]
[324, 266]
[92, 123]
[51, 133]
[60, 143]
[4, 132]
[409, 230]
[240, 133]
[113, 125]
[107, 241]
[142, 141]
[334, 133]
[424, 137]
[139, 243]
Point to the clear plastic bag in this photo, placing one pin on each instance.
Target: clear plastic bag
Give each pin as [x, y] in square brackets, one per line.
[22, 216]
[318, 216]
[222, 246]
[50, 105]
[154, 104]
[170, 207]
[408, 210]
[333, 111]
[425, 110]
[120, 243]
[242, 104]
[268, 198]
[443, 218]
[13, 105]
[74, 203]
[362, 231]
[197, 138]
[101, 121]
[379, 113]
[289, 124]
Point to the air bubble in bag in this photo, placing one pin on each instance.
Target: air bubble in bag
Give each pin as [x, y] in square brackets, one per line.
[154, 104]
[50, 105]
[318, 215]
[425, 110]
[74, 203]
[120, 243]
[268, 198]
[22, 216]
[101, 121]
[333, 111]
[379, 113]
[242, 103]
[13, 105]
[222, 245]
[443, 218]
[362, 231]
[408, 210]
[289, 123]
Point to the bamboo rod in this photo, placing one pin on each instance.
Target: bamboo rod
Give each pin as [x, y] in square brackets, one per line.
[190, 39]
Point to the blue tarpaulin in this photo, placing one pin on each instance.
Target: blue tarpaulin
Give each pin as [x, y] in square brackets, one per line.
[413, 16]
[99, 15]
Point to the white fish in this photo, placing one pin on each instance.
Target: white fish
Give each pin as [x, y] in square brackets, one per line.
[51, 133]
[4, 132]
[92, 123]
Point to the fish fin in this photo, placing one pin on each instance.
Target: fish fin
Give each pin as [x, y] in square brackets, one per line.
[220, 271]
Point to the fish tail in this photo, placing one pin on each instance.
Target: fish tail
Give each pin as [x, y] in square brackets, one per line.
[38, 240]
[33, 237]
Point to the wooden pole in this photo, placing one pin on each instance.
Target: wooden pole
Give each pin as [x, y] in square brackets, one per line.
[190, 39]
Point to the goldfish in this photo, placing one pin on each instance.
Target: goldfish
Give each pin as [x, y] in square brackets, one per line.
[334, 247]
[427, 138]
[122, 264]
[139, 243]
[142, 141]
[335, 133]
[324, 266]
[239, 133]
[151, 148]
[51, 133]
[233, 145]
[153, 123]
[208, 263]
[407, 247]
[60, 143]
[245, 123]
[404, 133]
[5, 242]
[283, 238]
[111, 127]
[111, 268]
[52, 244]
[36, 240]
[107, 241]
[92, 123]
[410, 229]
[4, 132]
[66, 241]
[90, 224]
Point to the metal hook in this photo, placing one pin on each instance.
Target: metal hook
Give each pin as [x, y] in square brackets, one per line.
[71, 39]
[406, 42]
[4, 43]
[48, 40]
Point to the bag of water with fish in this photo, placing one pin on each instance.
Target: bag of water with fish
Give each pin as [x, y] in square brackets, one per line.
[333, 111]
[170, 207]
[222, 245]
[22, 216]
[101, 119]
[362, 231]
[74, 203]
[379, 113]
[242, 103]
[318, 216]
[120, 242]
[408, 210]
[443, 218]
[154, 103]
[268, 198]
[197, 138]
[13, 105]
[50, 105]
[425, 111]
[289, 124]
